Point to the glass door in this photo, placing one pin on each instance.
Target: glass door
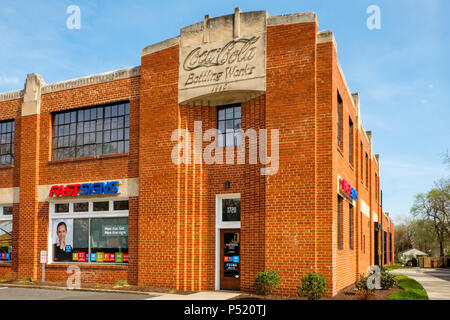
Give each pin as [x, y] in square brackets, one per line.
[230, 259]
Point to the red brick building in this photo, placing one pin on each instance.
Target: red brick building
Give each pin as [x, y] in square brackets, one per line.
[110, 172]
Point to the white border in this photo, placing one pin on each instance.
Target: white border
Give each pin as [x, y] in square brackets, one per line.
[80, 215]
[223, 225]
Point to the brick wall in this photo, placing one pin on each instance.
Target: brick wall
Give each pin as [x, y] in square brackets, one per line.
[288, 220]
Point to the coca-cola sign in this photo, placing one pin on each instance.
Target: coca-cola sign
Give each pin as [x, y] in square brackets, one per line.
[236, 65]
[241, 50]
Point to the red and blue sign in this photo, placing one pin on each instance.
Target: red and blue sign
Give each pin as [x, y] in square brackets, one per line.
[85, 189]
[348, 189]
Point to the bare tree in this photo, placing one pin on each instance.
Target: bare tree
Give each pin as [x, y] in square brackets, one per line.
[434, 206]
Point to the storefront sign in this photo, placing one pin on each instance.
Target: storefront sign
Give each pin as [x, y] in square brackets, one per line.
[86, 189]
[347, 190]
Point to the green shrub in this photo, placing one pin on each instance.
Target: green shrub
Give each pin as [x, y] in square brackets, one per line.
[361, 284]
[362, 291]
[27, 279]
[388, 280]
[313, 286]
[266, 282]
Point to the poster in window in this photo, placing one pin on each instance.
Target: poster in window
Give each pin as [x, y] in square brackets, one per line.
[231, 210]
[62, 232]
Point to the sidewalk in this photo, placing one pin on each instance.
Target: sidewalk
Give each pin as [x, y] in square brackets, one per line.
[436, 282]
[202, 295]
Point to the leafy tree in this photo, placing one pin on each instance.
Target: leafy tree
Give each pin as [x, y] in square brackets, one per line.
[434, 206]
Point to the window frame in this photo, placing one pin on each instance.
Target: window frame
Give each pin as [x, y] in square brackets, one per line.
[340, 124]
[350, 140]
[6, 218]
[95, 132]
[90, 214]
[11, 143]
[350, 225]
[223, 135]
[340, 223]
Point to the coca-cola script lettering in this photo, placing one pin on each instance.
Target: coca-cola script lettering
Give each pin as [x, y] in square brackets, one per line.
[241, 50]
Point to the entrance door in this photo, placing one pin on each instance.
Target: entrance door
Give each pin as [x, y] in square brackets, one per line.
[230, 262]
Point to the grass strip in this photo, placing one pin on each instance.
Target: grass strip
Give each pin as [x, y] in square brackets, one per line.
[412, 290]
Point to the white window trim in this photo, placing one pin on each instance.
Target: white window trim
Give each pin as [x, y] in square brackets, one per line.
[111, 213]
[223, 225]
[4, 218]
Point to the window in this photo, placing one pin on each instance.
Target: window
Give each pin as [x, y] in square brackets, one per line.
[5, 233]
[367, 169]
[361, 230]
[362, 164]
[7, 142]
[350, 140]
[339, 121]
[229, 125]
[390, 247]
[376, 187]
[350, 226]
[364, 243]
[339, 231]
[91, 131]
[231, 209]
[90, 231]
[385, 247]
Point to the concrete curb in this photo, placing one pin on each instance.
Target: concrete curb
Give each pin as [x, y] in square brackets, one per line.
[82, 289]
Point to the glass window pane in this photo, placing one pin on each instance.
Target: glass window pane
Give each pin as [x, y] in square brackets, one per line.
[237, 112]
[81, 115]
[6, 240]
[121, 205]
[87, 115]
[107, 112]
[8, 211]
[231, 209]
[222, 126]
[67, 118]
[99, 138]
[114, 111]
[101, 206]
[99, 113]
[61, 207]
[221, 140]
[80, 250]
[93, 113]
[120, 147]
[113, 147]
[229, 125]
[99, 125]
[127, 146]
[237, 124]
[73, 117]
[121, 110]
[109, 240]
[222, 114]
[229, 113]
[237, 138]
[81, 207]
[229, 139]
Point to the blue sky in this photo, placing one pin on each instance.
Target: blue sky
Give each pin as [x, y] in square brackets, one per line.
[401, 71]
